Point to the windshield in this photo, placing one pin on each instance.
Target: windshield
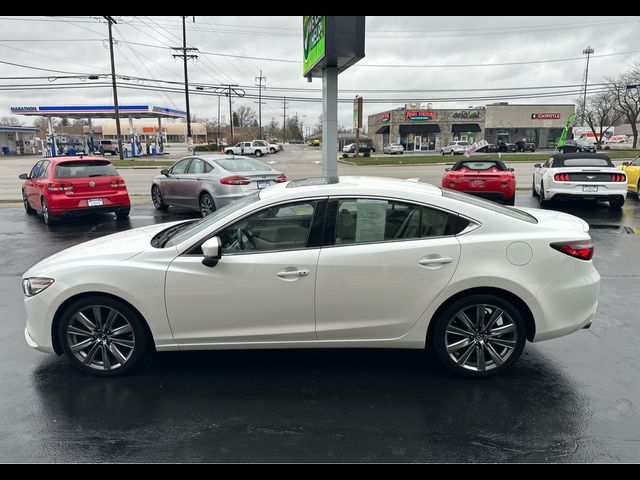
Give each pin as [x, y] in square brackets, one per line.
[85, 169]
[182, 235]
[489, 205]
[242, 165]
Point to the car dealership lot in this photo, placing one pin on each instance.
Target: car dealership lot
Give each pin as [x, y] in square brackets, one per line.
[573, 399]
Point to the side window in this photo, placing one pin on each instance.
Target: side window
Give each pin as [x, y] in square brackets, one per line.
[44, 169]
[636, 162]
[547, 164]
[180, 167]
[282, 227]
[35, 171]
[369, 220]
[197, 166]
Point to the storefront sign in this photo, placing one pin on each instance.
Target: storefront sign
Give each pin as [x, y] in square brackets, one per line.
[466, 114]
[545, 116]
[313, 31]
[384, 117]
[420, 115]
[24, 109]
[149, 129]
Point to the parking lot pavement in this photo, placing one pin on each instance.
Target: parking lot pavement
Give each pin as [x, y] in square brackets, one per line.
[574, 399]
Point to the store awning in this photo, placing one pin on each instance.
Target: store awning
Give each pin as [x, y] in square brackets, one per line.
[465, 127]
[382, 130]
[425, 128]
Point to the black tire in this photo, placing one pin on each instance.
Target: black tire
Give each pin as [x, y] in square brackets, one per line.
[616, 204]
[638, 190]
[47, 217]
[123, 214]
[27, 208]
[511, 201]
[533, 187]
[229, 152]
[442, 152]
[207, 205]
[273, 150]
[444, 335]
[258, 153]
[541, 198]
[103, 341]
[156, 197]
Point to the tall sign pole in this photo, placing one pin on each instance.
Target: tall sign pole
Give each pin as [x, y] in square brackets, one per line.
[331, 44]
[110, 21]
[357, 121]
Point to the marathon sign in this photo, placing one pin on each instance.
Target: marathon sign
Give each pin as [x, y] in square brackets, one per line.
[24, 109]
[420, 115]
[545, 116]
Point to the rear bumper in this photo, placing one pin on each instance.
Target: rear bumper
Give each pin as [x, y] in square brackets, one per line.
[568, 192]
[65, 205]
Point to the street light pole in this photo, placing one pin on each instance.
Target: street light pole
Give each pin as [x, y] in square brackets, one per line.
[587, 51]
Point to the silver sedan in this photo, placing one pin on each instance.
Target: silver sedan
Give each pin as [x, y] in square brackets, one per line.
[208, 182]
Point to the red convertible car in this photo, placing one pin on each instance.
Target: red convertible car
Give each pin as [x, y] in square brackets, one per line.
[490, 179]
[59, 187]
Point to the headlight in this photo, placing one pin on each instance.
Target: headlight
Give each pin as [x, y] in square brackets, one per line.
[33, 286]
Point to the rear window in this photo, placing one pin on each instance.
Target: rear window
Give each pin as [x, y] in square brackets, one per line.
[85, 169]
[583, 162]
[243, 165]
[479, 165]
[494, 207]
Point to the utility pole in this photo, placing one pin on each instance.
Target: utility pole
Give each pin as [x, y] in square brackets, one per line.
[587, 51]
[186, 56]
[110, 21]
[284, 120]
[218, 141]
[259, 80]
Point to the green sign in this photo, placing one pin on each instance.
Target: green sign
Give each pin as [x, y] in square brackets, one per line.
[563, 136]
[313, 31]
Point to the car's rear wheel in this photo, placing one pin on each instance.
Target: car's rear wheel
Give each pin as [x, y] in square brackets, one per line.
[510, 201]
[27, 207]
[47, 217]
[229, 152]
[616, 203]
[156, 197]
[123, 213]
[102, 336]
[207, 205]
[479, 336]
[533, 188]
[541, 197]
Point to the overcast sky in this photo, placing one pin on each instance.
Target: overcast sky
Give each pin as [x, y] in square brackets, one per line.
[76, 44]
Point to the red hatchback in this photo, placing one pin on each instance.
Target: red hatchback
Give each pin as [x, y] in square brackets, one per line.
[63, 186]
[490, 179]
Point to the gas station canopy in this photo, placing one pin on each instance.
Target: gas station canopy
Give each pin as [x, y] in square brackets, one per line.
[98, 111]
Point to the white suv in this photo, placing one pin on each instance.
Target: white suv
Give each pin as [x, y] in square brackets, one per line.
[456, 147]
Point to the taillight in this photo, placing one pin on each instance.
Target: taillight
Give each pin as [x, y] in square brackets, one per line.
[618, 177]
[235, 181]
[281, 179]
[118, 182]
[59, 187]
[582, 249]
[561, 177]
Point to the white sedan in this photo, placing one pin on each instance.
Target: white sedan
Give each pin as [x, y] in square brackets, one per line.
[586, 176]
[346, 263]
[393, 148]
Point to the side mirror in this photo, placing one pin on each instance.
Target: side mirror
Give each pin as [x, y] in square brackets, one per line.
[512, 170]
[25, 176]
[537, 165]
[212, 250]
[165, 172]
[447, 169]
[626, 164]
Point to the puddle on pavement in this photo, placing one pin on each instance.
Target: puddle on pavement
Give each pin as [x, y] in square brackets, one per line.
[615, 229]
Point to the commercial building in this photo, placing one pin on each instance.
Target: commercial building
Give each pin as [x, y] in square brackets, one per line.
[424, 129]
[14, 139]
[174, 132]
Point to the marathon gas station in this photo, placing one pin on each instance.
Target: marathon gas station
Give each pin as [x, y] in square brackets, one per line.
[90, 112]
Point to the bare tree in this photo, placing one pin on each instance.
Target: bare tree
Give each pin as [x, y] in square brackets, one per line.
[272, 129]
[246, 116]
[625, 91]
[10, 121]
[600, 114]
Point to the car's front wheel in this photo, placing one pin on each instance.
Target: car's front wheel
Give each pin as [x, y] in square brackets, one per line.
[479, 336]
[102, 335]
[27, 207]
[207, 205]
[258, 153]
[156, 197]
[273, 150]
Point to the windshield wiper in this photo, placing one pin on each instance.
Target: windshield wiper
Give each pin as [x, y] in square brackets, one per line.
[161, 239]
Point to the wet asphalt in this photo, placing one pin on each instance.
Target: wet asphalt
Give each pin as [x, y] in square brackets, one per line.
[573, 399]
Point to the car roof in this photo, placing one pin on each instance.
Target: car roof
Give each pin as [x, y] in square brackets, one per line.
[76, 158]
[351, 185]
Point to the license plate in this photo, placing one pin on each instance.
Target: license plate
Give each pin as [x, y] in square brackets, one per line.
[263, 184]
[476, 183]
[94, 202]
[590, 188]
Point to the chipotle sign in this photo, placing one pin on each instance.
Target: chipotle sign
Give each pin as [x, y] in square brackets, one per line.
[545, 116]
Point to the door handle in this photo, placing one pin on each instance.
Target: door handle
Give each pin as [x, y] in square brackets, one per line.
[292, 273]
[434, 261]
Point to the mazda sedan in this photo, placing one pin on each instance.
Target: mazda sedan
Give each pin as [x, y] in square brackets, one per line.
[354, 262]
[208, 182]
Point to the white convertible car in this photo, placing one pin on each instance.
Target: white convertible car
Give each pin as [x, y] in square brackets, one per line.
[345, 263]
[586, 176]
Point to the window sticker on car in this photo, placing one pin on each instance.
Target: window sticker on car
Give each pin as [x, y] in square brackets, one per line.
[370, 220]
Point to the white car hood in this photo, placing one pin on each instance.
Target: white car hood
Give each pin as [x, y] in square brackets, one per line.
[116, 247]
[553, 220]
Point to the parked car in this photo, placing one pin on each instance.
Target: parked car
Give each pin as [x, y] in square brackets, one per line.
[632, 171]
[60, 187]
[587, 176]
[469, 279]
[393, 148]
[489, 148]
[489, 179]
[208, 182]
[255, 147]
[315, 143]
[108, 146]
[456, 147]
[271, 147]
[522, 146]
[363, 148]
[577, 145]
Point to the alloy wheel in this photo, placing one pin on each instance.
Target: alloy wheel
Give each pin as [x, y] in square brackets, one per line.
[207, 206]
[101, 337]
[481, 337]
[156, 197]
